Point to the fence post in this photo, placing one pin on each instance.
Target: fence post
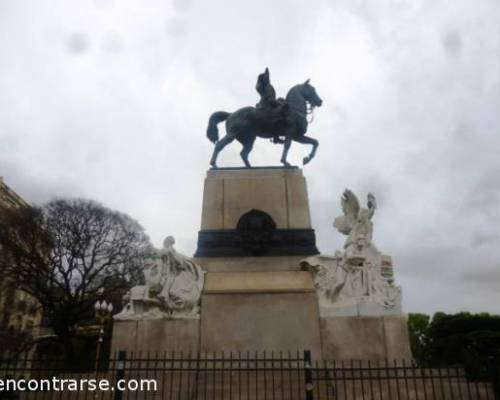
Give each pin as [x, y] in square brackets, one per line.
[494, 376]
[120, 373]
[308, 374]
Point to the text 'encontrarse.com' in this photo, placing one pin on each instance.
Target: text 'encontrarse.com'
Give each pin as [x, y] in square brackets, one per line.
[73, 385]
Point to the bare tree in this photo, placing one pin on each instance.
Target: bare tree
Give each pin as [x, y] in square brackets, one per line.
[70, 253]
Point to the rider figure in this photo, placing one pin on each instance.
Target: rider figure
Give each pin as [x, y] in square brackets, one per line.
[266, 91]
[270, 109]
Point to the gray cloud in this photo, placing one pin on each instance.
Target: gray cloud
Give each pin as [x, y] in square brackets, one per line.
[78, 43]
[452, 42]
[110, 100]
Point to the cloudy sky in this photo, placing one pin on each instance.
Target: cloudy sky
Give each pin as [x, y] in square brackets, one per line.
[109, 99]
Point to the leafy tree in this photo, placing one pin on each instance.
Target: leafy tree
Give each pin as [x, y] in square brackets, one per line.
[454, 338]
[458, 337]
[418, 325]
[68, 254]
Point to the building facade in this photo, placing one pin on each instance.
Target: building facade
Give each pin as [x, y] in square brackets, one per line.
[19, 312]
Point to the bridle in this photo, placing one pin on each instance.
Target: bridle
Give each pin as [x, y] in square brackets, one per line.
[310, 111]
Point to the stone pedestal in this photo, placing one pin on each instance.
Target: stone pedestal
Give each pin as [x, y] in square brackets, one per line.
[249, 264]
[156, 335]
[365, 338]
[251, 212]
[258, 311]
[255, 230]
[230, 192]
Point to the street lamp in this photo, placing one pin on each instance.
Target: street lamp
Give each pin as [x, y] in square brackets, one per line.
[103, 313]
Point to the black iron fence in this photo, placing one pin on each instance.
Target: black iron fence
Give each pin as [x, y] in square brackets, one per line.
[245, 376]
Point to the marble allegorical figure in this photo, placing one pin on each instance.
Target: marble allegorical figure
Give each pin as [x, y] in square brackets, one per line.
[357, 224]
[173, 285]
[358, 280]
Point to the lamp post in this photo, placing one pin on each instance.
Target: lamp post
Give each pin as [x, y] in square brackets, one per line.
[103, 313]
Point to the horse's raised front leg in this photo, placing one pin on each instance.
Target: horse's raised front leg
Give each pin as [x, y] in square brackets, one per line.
[218, 147]
[286, 147]
[308, 140]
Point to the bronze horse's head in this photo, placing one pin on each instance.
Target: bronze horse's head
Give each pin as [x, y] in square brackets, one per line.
[309, 93]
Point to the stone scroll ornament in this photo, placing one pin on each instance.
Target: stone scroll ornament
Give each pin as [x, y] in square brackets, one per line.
[172, 290]
[358, 280]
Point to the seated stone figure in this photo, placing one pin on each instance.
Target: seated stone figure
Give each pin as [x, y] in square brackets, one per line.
[358, 280]
[172, 290]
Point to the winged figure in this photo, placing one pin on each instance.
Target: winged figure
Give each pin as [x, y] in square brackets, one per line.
[353, 213]
[358, 280]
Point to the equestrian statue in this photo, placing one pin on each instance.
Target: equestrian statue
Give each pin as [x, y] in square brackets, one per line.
[281, 120]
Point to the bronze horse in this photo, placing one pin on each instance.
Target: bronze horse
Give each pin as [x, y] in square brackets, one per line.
[247, 123]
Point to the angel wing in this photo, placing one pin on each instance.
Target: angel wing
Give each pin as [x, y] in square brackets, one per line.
[350, 204]
[371, 204]
[350, 207]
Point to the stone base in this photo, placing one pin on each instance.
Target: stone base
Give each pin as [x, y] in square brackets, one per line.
[255, 212]
[272, 311]
[249, 264]
[156, 335]
[230, 192]
[362, 308]
[365, 338]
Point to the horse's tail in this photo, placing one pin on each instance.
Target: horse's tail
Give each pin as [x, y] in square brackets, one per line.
[212, 130]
